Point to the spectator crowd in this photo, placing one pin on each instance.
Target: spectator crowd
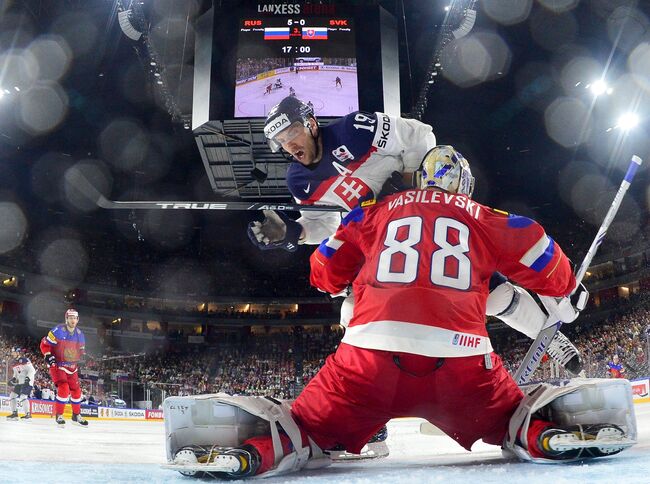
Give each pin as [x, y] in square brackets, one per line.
[280, 363]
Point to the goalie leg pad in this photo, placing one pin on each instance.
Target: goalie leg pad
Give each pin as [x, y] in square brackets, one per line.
[581, 401]
[229, 421]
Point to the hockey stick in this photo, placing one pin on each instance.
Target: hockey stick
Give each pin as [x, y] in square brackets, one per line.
[122, 357]
[103, 202]
[82, 184]
[540, 345]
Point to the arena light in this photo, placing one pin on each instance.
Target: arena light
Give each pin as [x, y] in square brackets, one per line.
[628, 121]
[466, 25]
[599, 87]
[124, 19]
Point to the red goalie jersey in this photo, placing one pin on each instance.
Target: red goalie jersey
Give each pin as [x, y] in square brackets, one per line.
[420, 262]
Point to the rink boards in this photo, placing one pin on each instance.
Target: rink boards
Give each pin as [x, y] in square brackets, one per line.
[45, 409]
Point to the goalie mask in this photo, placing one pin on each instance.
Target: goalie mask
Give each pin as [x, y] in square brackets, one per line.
[285, 121]
[447, 169]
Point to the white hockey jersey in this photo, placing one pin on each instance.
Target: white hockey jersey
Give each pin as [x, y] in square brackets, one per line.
[360, 152]
[22, 369]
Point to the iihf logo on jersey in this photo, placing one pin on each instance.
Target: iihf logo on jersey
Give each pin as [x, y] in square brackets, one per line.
[342, 153]
[468, 340]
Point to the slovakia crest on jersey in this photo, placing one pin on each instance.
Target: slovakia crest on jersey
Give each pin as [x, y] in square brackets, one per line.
[342, 153]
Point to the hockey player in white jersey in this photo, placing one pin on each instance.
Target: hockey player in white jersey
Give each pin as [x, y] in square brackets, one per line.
[357, 157]
[23, 382]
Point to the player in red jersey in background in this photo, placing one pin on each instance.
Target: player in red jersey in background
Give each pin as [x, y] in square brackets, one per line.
[615, 368]
[420, 262]
[62, 348]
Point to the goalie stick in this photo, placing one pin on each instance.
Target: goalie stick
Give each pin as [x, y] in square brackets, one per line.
[537, 350]
[88, 190]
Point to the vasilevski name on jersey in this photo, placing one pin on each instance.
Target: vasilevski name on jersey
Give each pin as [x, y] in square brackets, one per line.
[416, 255]
[360, 151]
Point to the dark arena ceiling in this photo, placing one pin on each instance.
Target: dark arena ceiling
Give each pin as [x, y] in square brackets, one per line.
[547, 99]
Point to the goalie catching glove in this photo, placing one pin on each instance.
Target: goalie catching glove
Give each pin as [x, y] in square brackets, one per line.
[276, 231]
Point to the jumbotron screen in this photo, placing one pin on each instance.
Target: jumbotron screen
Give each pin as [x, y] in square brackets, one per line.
[312, 58]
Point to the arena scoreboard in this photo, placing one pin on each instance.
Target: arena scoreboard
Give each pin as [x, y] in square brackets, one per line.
[312, 58]
[336, 57]
[296, 36]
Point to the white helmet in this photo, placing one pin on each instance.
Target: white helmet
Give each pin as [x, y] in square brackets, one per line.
[445, 168]
[71, 312]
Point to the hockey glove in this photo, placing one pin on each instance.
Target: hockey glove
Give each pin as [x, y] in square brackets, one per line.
[50, 359]
[568, 308]
[13, 381]
[277, 231]
[394, 184]
[580, 297]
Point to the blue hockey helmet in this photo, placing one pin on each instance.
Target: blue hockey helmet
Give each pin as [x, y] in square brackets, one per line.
[287, 117]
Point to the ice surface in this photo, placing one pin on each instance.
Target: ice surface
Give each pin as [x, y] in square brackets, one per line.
[315, 86]
[116, 452]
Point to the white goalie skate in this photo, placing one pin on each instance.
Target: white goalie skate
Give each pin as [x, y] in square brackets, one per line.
[374, 449]
[218, 462]
[584, 441]
[369, 451]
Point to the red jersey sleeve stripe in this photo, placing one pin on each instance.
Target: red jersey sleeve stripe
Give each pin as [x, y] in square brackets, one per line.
[51, 338]
[540, 254]
[329, 246]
